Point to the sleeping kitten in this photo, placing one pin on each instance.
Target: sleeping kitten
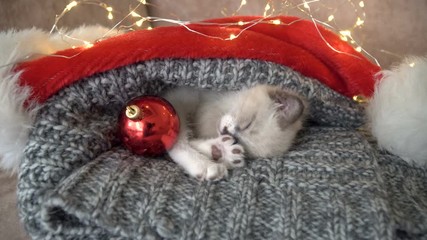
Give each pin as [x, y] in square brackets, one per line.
[219, 128]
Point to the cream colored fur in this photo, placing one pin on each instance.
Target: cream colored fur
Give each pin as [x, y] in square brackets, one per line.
[231, 124]
[398, 110]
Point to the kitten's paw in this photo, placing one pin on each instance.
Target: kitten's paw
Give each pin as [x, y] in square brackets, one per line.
[209, 171]
[216, 172]
[225, 150]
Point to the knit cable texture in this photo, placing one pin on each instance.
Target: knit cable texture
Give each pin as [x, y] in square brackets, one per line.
[77, 182]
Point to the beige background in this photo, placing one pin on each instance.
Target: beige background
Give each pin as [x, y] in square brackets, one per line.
[394, 26]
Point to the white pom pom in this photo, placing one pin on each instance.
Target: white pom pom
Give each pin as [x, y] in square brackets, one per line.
[398, 110]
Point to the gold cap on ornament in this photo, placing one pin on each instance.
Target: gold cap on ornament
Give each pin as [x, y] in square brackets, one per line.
[133, 112]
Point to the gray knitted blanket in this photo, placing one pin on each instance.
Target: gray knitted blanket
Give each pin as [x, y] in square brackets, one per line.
[78, 182]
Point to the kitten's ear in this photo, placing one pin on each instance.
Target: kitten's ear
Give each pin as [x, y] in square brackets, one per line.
[291, 107]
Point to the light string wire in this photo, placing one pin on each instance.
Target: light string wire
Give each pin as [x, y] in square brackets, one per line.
[305, 7]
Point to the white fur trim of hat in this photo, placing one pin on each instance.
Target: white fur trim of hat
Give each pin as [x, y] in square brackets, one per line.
[18, 46]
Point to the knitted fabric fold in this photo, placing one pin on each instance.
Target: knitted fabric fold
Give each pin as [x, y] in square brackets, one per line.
[78, 182]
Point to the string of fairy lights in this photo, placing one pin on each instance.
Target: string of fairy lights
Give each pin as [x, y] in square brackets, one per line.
[307, 8]
[313, 10]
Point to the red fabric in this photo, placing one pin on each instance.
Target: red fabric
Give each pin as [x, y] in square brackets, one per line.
[298, 45]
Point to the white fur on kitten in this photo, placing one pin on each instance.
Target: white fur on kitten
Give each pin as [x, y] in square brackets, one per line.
[217, 128]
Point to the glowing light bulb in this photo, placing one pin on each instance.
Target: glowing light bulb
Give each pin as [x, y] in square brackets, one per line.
[361, 4]
[232, 36]
[276, 22]
[71, 5]
[358, 49]
[88, 44]
[242, 3]
[359, 22]
[134, 14]
[360, 99]
[110, 16]
[143, 2]
[139, 22]
[240, 23]
[345, 34]
[331, 17]
[412, 64]
[267, 7]
[149, 28]
[110, 9]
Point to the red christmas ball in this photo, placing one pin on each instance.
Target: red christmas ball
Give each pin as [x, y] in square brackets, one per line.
[148, 125]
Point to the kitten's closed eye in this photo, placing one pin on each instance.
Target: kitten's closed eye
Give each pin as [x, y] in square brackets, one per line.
[230, 125]
[246, 125]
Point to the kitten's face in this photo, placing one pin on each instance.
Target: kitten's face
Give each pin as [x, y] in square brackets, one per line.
[265, 120]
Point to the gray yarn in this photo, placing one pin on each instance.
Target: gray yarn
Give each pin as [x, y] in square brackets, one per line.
[77, 182]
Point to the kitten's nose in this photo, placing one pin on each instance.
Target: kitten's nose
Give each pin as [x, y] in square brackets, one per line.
[225, 131]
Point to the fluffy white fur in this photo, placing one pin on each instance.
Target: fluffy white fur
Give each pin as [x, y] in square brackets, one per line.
[19, 46]
[398, 112]
[219, 128]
